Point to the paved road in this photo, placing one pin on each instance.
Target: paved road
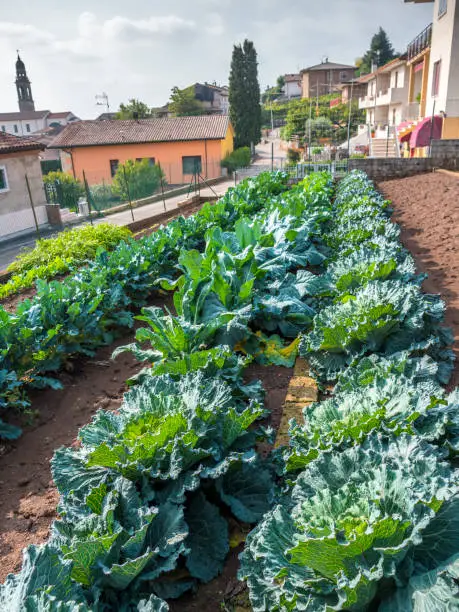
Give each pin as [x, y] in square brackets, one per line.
[10, 250]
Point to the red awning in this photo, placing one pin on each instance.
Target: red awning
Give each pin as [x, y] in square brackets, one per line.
[423, 132]
[404, 130]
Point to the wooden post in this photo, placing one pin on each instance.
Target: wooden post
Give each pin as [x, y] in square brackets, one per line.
[162, 186]
[128, 193]
[88, 197]
[32, 206]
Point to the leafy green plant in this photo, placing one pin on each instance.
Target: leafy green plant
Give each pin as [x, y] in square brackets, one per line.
[383, 317]
[57, 255]
[63, 189]
[135, 180]
[357, 524]
[149, 490]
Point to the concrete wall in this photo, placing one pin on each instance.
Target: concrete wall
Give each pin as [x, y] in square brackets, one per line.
[445, 154]
[15, 211]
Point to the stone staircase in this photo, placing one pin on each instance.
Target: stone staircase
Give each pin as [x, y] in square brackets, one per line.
[383, 147]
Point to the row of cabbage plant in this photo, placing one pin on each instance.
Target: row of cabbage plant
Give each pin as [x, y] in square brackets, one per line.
[369, 517]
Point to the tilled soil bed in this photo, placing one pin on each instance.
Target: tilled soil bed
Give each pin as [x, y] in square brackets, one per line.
[427, 209]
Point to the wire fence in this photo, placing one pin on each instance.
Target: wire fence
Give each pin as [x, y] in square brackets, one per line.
[103, 191]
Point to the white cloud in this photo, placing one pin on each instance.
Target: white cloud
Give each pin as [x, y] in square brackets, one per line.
[135, 49]
[122, 27]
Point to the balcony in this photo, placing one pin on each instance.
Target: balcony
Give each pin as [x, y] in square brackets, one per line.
[422, 42]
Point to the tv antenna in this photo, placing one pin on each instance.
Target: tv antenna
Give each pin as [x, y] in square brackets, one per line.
[102, 100]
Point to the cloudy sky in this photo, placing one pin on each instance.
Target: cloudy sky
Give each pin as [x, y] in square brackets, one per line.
[142, 48]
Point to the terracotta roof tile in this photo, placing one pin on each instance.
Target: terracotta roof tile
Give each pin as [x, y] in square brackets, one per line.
[13, 144]
[175, 129]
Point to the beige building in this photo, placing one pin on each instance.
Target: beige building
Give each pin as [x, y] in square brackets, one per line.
[325, 78]
[19, 157]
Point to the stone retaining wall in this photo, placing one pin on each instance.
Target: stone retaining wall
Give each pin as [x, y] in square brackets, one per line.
[445, 155]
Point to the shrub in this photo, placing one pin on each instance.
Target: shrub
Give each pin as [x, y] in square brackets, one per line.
[103, 196]
[293, 156]
[63, 189]
[137, 179]
[239, 158]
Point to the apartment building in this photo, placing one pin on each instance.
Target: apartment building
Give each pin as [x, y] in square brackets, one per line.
[441, 67]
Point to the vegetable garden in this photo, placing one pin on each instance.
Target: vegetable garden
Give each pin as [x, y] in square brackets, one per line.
[359, 511]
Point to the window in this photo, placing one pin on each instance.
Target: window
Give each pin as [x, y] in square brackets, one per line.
[151, 160]
[342, 76]
[27, 126]
[436, 78]
[191, 164]
[442, 8]
[114, 163]
[15, 129]
[3, 180]
[3, 128]
[396, 80]
[394, 116]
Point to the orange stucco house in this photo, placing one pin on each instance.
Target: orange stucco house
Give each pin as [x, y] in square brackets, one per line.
[182, 145]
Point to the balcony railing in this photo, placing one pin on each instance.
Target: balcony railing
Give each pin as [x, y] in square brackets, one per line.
[420, 43]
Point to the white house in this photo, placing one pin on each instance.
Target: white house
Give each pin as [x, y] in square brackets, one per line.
[26, 123]
[443, 78]
[386, 99]
[293, 87]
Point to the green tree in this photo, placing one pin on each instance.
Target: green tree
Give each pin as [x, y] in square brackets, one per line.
[183, 103]
[244, 95]
[136, 179]
[380, 52]
[134, 109]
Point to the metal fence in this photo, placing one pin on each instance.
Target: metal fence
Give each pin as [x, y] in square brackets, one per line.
[337, 168]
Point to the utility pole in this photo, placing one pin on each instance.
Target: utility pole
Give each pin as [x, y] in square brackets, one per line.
[349, 120]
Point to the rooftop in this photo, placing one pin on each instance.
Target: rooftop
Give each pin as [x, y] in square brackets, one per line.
[174, 129]
[14, 144]
[292, 78]
[60, 115]
[398, 61]
[25, 116]
[328, 66]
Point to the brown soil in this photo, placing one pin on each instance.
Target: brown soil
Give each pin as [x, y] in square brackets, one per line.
[427, 210]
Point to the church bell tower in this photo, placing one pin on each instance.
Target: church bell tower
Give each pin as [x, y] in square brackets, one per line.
[23, 87]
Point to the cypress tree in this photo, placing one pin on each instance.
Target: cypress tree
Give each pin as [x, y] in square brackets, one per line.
[253, 91]
[380, 52]
[244, 95]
